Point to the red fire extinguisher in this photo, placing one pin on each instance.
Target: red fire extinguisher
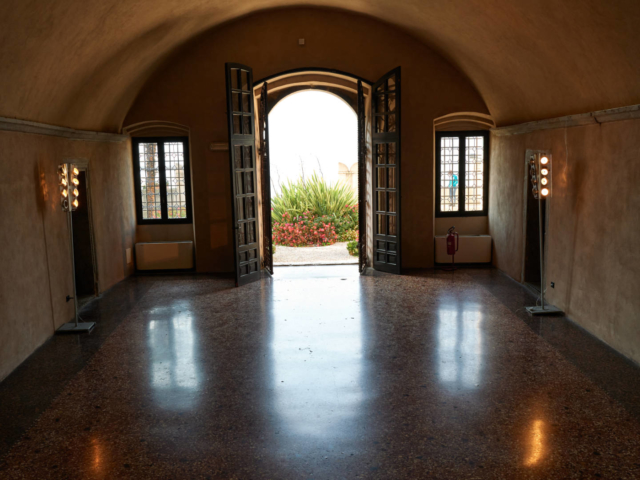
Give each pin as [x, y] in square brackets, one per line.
[452, 245]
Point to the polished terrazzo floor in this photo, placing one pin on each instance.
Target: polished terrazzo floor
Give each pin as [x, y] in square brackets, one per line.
[319, 373]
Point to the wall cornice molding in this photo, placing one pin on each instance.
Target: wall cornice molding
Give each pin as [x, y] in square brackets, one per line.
[25, 126]
[592, 118]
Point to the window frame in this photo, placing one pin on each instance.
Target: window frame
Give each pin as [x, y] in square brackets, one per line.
[462, 136]
[135, 142]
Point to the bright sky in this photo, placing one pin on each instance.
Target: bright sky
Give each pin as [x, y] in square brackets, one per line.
[314, 131]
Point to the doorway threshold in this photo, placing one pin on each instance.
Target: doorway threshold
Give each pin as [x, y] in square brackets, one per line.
[313, 263]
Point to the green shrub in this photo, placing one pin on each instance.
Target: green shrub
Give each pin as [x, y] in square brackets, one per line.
[348, 235]
[352, 247]
[319, 198]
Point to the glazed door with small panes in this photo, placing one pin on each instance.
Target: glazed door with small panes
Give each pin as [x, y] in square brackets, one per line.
[386, 173]
[267, 236]
[362, 181]
[242, 157]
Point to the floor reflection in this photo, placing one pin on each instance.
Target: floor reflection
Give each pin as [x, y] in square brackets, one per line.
[173, 371]
[459, 345]
[536, 443]
[317, 360]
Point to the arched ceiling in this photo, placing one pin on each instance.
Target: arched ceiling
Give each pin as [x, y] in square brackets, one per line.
[80, 64]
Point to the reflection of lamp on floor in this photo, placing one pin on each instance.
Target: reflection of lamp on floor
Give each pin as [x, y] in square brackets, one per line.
[540, 175]
[69, 182]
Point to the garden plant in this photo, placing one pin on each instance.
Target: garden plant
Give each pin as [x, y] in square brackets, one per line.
[312, 212]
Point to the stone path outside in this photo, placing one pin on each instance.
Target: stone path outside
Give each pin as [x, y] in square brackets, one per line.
[335, 254]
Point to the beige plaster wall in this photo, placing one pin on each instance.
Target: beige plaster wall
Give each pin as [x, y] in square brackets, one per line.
[594, 223]
[34, 253]
[464, 225]
[164, 233]
[190, 90]
[81, 64]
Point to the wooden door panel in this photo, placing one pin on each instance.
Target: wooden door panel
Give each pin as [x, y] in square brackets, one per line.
[267, 234]
[362, 181]
[386, 173]
[242, 157]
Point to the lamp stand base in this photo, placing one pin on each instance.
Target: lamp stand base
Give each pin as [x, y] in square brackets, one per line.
[81, 327]
[547, 310]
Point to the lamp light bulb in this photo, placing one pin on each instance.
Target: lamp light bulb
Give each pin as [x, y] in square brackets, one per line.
[75, 171]
[544, 160]
[75, 181]
[544, 192]
[75, 203]
[64, 193]
[544, 171]
[544, 181]
[64, 181]
[76, 192]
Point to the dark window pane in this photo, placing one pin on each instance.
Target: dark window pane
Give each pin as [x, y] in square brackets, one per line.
[381, 224]
[237, 156]
[391, 102]
[240, 208]
[175, 179]
[149, 181]
[245, 80]
[392, 202]
[382, 201]
[474, 174]
[246, 125]
[234, 78]
[391, 123]
[247, 158]
[392, 225]
[248, 203]
[449, 173]
[392, 177]
[248, 182]
[241, 234]
[251, 232]
[382, 177]
[391, 83]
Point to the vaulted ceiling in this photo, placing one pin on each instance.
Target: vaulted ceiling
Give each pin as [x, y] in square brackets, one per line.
[81, 63]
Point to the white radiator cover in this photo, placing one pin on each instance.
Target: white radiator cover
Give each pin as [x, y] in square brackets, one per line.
[471, 249]
[164, 255]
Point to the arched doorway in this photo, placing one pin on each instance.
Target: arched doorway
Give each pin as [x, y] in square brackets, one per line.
[313, 153]
[378, 109]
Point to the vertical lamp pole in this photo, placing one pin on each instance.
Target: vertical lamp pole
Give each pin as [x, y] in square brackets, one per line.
[69, 183]
[540, 176]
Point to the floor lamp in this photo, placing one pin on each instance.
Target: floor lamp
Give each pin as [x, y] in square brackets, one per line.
[69, 182]
[540, 176]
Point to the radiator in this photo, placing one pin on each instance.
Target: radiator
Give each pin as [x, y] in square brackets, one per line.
[471, 249]
[164, 255]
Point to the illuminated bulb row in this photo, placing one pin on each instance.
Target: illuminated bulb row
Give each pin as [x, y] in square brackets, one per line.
[65, 179]
[544, 180]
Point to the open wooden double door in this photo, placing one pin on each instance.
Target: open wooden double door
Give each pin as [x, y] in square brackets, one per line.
[378, 174]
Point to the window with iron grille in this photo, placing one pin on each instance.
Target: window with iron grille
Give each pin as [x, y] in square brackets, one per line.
[163, 187]
[462, 173]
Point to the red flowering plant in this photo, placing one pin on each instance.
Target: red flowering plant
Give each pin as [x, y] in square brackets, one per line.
[304, 230]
